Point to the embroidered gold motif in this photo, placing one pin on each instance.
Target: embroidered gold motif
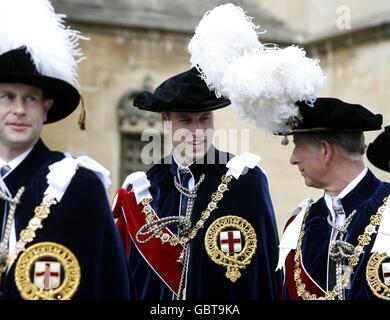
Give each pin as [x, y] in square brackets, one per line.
[47, 253]
[238, 260]
[373, 279]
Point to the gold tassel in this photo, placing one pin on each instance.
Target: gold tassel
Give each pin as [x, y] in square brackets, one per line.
[82, 116]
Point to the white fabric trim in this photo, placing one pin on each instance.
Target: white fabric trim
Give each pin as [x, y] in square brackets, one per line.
[62, 172]
[140, 184]
[382, 241]
[59, 177]
[114, 201]
[290, 236]
[237, 164]
[307, 273]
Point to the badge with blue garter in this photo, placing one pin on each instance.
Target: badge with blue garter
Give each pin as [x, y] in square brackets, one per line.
[231, 242]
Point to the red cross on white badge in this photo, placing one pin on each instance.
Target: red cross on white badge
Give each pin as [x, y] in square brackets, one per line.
[230, 241]
[47, 274]
[386, 273]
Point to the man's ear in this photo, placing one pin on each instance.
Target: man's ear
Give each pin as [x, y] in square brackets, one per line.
[327, 150]
[47, 104]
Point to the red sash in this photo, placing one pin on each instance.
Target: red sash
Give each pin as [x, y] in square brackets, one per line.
[162, 257]
[310, 285]
[289, 264]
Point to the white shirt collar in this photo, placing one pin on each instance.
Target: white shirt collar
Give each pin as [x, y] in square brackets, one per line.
[16, 161]
[179, 164]
[353, 184]
[191, 182]
[345, 191]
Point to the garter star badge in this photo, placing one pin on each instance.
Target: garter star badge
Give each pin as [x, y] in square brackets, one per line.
[378, 275]
[231, 242]
[47, 271]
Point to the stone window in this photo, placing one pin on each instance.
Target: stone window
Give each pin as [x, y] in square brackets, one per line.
[132, 123]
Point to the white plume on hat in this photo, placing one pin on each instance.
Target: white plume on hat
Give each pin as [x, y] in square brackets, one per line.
[223, 35]
[262, 82]
[53, 47]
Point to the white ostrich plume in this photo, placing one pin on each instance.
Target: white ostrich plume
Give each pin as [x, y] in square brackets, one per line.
[265, 86]
[33, 24]
[263, 82]
[223, 35]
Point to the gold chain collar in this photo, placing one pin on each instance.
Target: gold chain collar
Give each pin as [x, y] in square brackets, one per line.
[29, 233]
[173, 240]
[363, 240]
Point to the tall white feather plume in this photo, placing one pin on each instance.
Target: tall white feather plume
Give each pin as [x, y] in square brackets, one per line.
[262, 82]
[264, 86]
[223, 35]
[34, 24]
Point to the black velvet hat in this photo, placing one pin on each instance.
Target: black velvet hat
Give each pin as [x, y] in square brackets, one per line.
[16, 66]
[185, 92]
[378, 152]
[38, 48]
[330, 115]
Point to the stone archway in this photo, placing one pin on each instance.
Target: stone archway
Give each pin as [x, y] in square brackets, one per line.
[132, 122]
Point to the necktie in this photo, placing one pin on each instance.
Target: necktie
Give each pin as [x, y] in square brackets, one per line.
[339, 215]
[337, 206]
[185, 177]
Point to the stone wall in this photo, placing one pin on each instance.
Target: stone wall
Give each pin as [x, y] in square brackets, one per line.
[120, 59]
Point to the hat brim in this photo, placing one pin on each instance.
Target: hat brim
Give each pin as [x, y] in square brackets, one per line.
[196, 109]
[320, 130]
[66, 97]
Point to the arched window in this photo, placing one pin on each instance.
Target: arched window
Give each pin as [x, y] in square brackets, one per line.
[132, 124]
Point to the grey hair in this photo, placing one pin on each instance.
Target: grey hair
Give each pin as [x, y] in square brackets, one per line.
[351, 144]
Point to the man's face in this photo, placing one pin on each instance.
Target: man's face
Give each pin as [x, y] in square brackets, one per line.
[23, 110]
[192, 134]
[310, 161]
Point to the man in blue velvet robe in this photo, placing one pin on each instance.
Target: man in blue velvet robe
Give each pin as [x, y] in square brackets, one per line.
[58, 237]
[195, 171]
[327, 248]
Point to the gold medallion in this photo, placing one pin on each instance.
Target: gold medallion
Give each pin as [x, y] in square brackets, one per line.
[379, 282]
[47, 271]
[231, 242]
